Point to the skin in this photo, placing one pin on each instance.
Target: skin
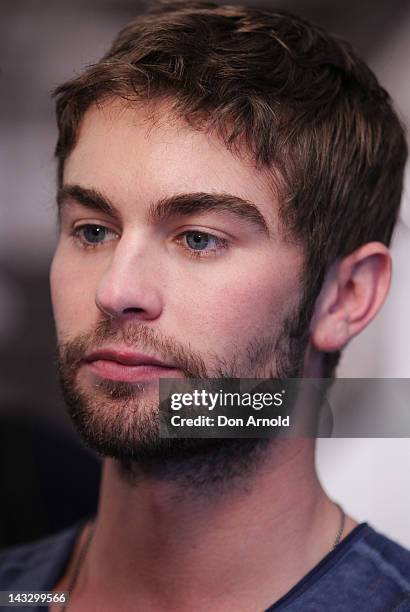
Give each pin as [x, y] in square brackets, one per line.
[244, 549]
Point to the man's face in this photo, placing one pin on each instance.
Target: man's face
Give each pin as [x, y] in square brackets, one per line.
[183, 272]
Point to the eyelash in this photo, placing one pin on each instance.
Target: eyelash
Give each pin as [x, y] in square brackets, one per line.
[222, 243]
[76, 233]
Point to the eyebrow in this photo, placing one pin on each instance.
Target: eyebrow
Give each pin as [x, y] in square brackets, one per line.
[89, 198]
[174, 206]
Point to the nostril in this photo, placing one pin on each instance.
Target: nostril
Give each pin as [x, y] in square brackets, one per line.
[117, 296]
[132, 310]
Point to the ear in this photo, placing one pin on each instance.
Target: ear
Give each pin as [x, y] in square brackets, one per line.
[353, 292]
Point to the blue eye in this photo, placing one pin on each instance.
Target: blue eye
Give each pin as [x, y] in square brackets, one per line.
[198, 240]
[93, 235]
[202, 244]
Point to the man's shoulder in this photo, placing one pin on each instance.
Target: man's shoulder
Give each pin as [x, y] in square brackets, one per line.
[37, 565]
[385, 553]
[367, 571]
[380, 565]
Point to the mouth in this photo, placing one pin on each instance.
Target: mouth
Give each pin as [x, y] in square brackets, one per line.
[128, 367]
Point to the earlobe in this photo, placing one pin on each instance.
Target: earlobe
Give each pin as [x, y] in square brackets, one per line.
[331, 334]
[352, 294]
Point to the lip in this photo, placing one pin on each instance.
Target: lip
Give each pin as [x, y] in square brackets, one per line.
[128, 366]
[127, 358]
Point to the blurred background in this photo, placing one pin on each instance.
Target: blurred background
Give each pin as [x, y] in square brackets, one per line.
[47, 479]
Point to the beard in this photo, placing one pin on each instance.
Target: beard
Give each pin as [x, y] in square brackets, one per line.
[122, 420]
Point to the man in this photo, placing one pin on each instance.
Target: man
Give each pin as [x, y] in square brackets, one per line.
[229, 180]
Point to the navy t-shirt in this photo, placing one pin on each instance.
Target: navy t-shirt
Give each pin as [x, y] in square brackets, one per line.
[366, 572]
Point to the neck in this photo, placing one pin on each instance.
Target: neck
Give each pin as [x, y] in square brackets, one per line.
[176, 548]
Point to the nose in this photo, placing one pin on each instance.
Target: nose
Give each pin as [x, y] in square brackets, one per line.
[129, 287]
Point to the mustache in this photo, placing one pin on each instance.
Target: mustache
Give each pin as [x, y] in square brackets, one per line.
[137, 336]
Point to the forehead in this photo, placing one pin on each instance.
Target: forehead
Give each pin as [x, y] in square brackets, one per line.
[137, 153]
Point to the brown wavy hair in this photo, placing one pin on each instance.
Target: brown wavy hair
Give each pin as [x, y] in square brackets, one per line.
[300, 101]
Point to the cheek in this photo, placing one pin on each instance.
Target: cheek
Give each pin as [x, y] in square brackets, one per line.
[233, 309]
[72, 296]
